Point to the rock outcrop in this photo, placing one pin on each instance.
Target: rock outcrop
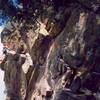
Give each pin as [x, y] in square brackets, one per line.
[62, 40]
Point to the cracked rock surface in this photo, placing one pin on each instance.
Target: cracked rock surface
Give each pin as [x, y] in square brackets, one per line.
[52, 50]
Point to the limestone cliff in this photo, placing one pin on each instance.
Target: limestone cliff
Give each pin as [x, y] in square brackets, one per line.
[52, 50]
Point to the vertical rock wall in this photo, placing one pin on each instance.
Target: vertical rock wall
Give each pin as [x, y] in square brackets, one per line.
[63, 42]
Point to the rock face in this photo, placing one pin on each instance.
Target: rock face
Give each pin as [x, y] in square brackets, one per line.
[63, 39]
